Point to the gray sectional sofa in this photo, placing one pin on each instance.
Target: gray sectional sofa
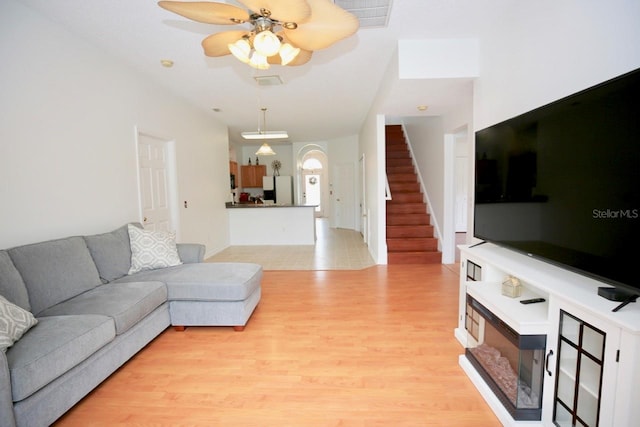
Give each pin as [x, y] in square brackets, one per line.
[92, 315]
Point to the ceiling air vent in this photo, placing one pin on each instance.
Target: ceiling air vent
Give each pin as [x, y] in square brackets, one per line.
[370, 13]
[268, 80]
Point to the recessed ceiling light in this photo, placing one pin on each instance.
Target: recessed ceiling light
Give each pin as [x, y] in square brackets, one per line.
[166, 63]
[422, 108]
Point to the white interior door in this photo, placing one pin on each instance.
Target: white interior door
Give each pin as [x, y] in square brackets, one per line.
[461, 182]
[363, 205]
[155, 183]
[344, 196]
[461, 191]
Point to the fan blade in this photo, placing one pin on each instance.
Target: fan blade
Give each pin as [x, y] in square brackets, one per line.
[207, 12]
[281, 10]
[217, 44]
[303, 57]
[327, 25]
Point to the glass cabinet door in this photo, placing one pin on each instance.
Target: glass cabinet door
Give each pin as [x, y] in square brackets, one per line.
[579, 373]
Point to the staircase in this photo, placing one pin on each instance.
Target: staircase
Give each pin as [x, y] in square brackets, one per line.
[410, 238]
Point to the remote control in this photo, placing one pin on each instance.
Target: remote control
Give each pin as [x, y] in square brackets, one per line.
[532, 300]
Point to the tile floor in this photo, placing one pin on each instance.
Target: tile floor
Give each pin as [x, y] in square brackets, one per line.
[335, 249]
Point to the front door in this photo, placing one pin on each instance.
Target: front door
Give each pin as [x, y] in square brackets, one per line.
[313, 191]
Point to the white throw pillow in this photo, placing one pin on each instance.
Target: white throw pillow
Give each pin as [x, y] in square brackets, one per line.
[152, 249]
[14, 322]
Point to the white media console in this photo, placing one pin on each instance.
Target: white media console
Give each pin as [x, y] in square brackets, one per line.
[592, 358]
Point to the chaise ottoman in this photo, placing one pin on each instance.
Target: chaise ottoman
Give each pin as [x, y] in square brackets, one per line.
[208, 294]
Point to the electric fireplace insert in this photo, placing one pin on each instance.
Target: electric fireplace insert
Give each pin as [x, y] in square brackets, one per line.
[512, 365]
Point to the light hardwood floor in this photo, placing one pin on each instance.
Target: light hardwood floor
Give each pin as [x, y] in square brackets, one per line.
[370, 347]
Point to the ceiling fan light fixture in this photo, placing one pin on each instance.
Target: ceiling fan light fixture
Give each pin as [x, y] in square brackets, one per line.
[241, 50]
[265, 150]
[259, 61]
[308, 24]
[288, 53]
[266, 43]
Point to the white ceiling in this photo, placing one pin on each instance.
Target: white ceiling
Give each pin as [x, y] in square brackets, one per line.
[326, 98]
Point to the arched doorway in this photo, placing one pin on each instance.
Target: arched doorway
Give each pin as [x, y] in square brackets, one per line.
[314, 189]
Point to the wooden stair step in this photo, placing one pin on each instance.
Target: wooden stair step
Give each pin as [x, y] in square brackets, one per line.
[408, 231]
[398, 155]
[395, 170]
[408, 219]
[396, 143]
[404, 187]
[412, 244]
[395, 162]
[406, 197]
[395, 135]
[414, 258]
[393, 129]
[405, 208]
[402, 177]
[399, 145]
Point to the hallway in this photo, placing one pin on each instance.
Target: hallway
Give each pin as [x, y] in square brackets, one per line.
[335, 249]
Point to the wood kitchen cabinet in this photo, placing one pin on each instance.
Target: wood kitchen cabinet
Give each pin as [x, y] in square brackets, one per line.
[233, 174]
[251, 175]
[233, 168]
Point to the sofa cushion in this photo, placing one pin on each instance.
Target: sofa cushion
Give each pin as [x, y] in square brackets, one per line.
[126, 303]
[14, 322]
[111, 253]
[11, 285]
[233, 281]
[152, 249]
[55, 270]
[190, 252]
[54, 346]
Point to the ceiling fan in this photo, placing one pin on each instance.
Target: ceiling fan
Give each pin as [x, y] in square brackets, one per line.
[284, 32]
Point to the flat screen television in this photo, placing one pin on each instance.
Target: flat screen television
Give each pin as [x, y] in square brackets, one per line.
[562, 182]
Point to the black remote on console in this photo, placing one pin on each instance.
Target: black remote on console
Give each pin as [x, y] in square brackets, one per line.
[532, 300]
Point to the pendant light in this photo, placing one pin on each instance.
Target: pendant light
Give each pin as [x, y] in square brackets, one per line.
[263, 133]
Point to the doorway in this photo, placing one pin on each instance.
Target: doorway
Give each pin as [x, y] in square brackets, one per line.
[157, 183]
[314, 181]
[364, 223]
[456, 197]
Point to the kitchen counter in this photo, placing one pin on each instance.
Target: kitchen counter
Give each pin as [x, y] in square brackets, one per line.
[271, 224]
[263, 205]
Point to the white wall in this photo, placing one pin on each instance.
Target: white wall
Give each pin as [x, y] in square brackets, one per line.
[426, 136]
[553, 49]
[544, 50]
[371, 143]
[68, 115]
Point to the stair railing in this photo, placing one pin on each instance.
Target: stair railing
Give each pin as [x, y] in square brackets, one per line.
[387, 189]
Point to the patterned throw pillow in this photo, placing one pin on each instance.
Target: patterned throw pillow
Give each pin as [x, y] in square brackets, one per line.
[152, 249]
[14, 322]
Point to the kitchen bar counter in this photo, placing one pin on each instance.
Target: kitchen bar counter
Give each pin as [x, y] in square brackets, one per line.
[271, 224]
[263, 205]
